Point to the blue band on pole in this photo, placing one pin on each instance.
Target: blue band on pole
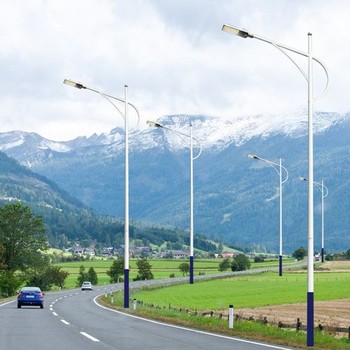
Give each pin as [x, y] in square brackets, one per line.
[322, 254]
[126, 288]
[191, 270]
[310, 319]
[280, 266]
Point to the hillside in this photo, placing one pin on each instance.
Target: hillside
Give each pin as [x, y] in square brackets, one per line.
[236, 198]
[68, 220]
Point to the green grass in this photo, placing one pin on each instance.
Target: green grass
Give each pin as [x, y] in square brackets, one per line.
[248, 291]
[161, 268]
[244, 329]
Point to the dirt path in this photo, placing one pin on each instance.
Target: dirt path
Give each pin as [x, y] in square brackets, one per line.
[331, 313]
[334, 313]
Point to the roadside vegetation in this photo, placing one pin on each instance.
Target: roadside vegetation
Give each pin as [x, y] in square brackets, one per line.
[22, 241]
[251, 291]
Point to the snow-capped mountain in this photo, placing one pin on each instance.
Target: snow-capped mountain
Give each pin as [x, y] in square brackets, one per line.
[31, 149]
[235, 197]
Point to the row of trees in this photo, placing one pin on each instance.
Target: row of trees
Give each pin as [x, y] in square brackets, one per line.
[22, 241]
[239, 263]
[116, 271]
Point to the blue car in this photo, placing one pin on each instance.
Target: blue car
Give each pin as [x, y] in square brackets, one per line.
[30, 296]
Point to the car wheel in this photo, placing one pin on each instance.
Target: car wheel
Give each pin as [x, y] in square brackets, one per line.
[18, 306]
[41, 306]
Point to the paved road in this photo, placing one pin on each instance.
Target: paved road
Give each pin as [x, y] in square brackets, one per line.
[74, 320]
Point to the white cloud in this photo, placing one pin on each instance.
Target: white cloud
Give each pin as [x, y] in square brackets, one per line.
[172, 54]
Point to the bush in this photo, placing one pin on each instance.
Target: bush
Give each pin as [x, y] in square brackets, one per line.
[258, 259]
[243, 262]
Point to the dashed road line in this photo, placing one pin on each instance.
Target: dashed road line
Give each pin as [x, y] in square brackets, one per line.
[89, 336]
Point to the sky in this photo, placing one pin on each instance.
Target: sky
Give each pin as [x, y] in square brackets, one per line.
[172, 55]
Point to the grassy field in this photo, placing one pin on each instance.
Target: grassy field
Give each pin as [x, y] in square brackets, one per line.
[248, 291]
[161, 268]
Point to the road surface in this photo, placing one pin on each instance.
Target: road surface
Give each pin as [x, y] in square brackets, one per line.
[74, 320]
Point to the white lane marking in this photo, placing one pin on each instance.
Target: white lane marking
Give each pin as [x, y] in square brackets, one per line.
[191, 330]
[54, 313]
[8, 302]
[89, 336]
[65, 322]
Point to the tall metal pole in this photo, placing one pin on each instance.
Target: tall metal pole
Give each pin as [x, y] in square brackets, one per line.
[191, 208]
[310, 254]
[278, 168]
[126, 221]
[322, 209]
[309, 78]
[281, 206]
[110, 99]
[157, 125]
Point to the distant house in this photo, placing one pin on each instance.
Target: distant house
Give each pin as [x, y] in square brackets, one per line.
[77, 250]
[89, 251]
[228, 255]
[107, 251]
[177, 254]
[136, 252]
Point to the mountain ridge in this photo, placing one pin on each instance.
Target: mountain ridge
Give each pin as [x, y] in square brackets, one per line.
[233, 195]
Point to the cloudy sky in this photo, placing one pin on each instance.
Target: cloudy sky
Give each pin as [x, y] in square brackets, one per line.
[173, 56]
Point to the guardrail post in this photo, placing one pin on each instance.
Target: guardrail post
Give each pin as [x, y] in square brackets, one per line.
[230, 317]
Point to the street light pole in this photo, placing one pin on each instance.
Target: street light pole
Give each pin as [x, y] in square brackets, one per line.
[281, 182]
[191, 209]
[324, 193]
[126, 200]
[309, 78]
[192, 158]
[109, 98]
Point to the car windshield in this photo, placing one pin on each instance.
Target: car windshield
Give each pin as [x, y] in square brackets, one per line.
[31, 289]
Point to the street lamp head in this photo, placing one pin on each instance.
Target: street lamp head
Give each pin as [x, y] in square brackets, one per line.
[73, 84]
[156, 125]
[253, 156]
[236, 31]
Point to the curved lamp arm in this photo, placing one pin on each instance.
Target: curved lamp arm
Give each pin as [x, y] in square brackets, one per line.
[179, 133]
[319, 185]
[281, 47]
[272, 165]
[107, 97]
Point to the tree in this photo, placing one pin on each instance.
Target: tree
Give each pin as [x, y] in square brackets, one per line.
[116, 270]
[9, 283]
[300, 253]
[92, 276]
[348, 254]
[47, 277]
[234, 265]
[82, 276]
[184, 268]
[144, 270]
[22, 237]
[225, 264]
[259, 259]
[242, 261]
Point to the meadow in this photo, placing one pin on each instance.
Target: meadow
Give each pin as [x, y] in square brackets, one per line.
[248, 291]
[161, 268]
